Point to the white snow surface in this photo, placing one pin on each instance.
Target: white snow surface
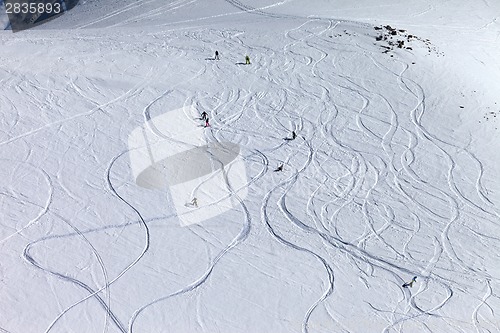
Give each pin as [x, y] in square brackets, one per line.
[393, 174]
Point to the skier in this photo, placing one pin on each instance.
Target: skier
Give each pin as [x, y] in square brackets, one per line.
[204, 116]
[280, 168]
[216, 55]
[410, 284]
[247, 60]
[207, 124]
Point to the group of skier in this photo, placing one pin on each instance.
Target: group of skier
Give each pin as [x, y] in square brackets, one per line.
[217, 57]
[204, 117]
[280, 167]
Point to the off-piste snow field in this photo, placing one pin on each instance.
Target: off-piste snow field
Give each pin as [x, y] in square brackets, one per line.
[121, 212]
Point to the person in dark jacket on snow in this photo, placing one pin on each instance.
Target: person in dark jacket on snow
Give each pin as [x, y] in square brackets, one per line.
[294, 135]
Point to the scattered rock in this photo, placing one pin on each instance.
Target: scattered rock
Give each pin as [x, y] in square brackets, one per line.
[491, 115]
[399, 38]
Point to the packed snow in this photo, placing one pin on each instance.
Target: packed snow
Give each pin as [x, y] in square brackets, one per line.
[381, 215]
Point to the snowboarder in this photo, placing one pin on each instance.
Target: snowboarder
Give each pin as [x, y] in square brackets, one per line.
[193, 203]
[294, 135]
[410, 284]
[280, 168]
[207, 124]
[204, 116]
[247, 60]
[216, 55]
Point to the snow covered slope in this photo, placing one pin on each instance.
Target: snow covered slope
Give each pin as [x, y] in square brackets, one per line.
[393, 174]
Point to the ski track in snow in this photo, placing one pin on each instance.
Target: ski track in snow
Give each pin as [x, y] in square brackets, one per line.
[130, 7]
[28, 256]
[386, 144]
[44, 209]
[285, 83]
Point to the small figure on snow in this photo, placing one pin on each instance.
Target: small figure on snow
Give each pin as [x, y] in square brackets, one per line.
[410, 284]
[204, 116]
[279, 168]
[294, 135]
[207, 124]
[216, 55]
[193, 203]
[247, 60]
